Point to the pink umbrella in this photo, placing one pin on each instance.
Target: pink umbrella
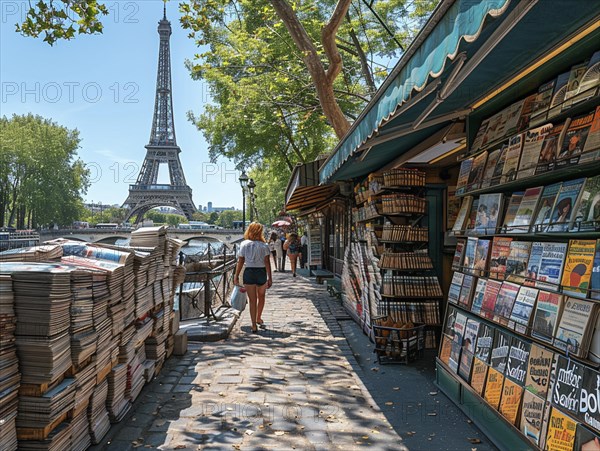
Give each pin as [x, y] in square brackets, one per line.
[281, 223]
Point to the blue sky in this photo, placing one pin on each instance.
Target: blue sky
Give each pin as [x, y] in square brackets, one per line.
[104, 85]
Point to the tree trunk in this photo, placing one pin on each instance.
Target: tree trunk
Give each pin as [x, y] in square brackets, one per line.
[322, 79]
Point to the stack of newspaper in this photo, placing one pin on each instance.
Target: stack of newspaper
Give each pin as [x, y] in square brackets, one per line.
[116, 402]
[44, 253]
[9, 366]
[97, 413]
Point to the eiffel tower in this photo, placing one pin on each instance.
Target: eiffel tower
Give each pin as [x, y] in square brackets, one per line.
[162, 148]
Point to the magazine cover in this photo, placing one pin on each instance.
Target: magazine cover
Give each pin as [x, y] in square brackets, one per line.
[478, 141]
[589, 410]
[476, 172]
[488, 209]
[504, 303]
[591, 148]
[471, 334]
[541, 103]
[551, 265]
[513, 155]
[493, 387]
[463, 176]
[586, 439]
[545, 316]
[511, 211]
[497, 174]
[550, 145]
[513, 114]
[578, 267]
[455, 287]
[498, 257]
[459, 330]
[565, 203]
[573, 327]
[574, 140]
[526, 110]
[466, 362]
[518, 359]
[461, 220]
[587, 215]
[516, 264]
[500, 348]
[481, 257]
[466, 291]
[458, 254]
[522, 309]
[567, 385]
[532, 147]
[532, 416]
[478, 296]
[526, 210]
[492, 288]
[546, 204]
[496, 127]
[472, 217]
[533, 264]
[539, 369]
[561, 431]
[485, 341]
[510, 402]
[575, 76]
[595, 277]
[490, 167]
[478, 376]
[558, 96]
[470, 255]
[588, 85]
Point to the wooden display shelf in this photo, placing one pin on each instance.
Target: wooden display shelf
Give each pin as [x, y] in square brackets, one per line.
[404, 297]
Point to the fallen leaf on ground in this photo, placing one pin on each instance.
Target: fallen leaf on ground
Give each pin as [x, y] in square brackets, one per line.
[366, 437]
[249, 432]
[389, 403]
[279, 433]
[432, 414]
[396, 388]
[411, 433]
[180, 447]
[374, 369]
[433, 393]
[221, 393]
[474, 441]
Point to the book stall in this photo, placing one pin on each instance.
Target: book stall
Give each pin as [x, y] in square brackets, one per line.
[83, 327]
[522, 327]
[389, 238]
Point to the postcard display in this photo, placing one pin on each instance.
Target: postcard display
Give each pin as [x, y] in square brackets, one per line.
[83, 327]
[387, 222]
[522, 333]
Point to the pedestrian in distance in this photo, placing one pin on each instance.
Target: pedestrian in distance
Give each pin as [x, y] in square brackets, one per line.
[273, 240]
[254, 256]
[283, 253]
[304, 243]
[294, 250]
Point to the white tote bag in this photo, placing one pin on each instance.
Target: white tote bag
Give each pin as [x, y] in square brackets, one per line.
[238, 298]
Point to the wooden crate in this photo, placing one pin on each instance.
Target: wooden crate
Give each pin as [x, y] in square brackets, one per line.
[41, 433]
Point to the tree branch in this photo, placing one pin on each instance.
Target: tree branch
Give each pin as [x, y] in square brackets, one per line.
[328, 34]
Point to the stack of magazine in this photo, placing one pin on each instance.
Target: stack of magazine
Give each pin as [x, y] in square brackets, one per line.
[9, 366]
[98, 414]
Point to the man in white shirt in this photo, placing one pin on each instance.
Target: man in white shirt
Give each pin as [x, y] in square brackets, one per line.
[304, 243]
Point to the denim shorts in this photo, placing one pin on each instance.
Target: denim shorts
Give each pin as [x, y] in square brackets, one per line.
[255, 276]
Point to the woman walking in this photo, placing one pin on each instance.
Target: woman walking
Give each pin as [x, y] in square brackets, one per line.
[273, 240]
[294, 250]
[254, 254]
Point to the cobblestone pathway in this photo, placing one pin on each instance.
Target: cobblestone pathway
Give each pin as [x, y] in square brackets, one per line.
[287, 387]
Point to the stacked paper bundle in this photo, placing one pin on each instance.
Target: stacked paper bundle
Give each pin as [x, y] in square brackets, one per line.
[9, 366]
[127, 346]
[143, 301]
[150, 237]
[58, 440]
[80, 432]
[38, 415]
[97, 413]
[44, 253]
[85, 381]
[104, 347]
[116, 402]
[135, 375]
[42, 304]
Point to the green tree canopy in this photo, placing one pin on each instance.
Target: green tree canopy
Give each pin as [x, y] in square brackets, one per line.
[41, 178]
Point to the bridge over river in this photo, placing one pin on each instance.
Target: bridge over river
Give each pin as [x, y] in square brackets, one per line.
[110, 236]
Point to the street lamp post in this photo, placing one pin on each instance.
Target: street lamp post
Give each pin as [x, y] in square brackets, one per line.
[243, 183]
[251, 186]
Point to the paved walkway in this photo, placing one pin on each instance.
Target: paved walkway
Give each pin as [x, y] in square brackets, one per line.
[289, 387]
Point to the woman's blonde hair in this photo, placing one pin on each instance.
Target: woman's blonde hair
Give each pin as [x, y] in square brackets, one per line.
[254, 232]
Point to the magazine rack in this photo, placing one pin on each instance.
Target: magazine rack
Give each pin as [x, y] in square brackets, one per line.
[396, 345]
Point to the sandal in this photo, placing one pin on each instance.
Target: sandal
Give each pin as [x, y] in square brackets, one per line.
[261, 324]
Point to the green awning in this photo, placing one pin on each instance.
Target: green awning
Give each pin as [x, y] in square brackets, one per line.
[462, 20]
[523, 32]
